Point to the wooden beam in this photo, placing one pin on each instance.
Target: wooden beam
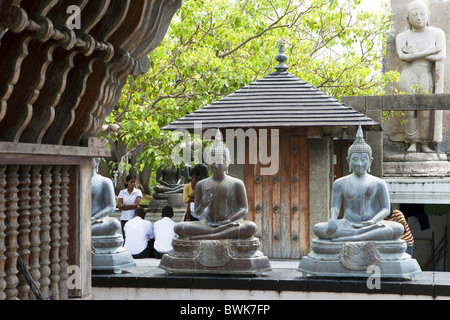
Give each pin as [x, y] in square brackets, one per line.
[30, 149]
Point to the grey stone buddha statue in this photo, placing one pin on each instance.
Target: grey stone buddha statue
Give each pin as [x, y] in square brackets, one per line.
[108, 254]
[102, 204]
[347, 247]
[223, 242]
[366, 200]
[223, 198]
[169, 179]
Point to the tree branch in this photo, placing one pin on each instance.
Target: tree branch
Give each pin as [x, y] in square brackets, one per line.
[130, 96]
[272, 26]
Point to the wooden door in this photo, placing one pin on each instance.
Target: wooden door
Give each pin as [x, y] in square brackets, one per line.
[279, 203]
[340, 148]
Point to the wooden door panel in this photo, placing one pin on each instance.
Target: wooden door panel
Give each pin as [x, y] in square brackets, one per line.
[279, 203]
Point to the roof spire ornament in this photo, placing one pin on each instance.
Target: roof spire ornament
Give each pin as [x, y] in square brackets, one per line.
[281, 57]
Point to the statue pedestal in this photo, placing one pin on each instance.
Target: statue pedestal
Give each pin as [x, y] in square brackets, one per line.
[416, 165]
[352, 259]
[215, 257]
[160, 200]
[109, 255]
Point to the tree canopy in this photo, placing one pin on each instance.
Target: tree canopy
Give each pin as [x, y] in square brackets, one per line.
[215, 47]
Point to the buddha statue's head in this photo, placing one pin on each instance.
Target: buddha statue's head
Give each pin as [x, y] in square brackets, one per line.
[417, 10]
[218, 154]
[96, 163]
[359, 151]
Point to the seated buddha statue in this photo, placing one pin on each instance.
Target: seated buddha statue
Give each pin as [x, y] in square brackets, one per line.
[107, 251]
[366, 202]
[223, 199]
[103, 204]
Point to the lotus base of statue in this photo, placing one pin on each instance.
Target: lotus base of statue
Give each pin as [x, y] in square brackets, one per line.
[108, 254]
[359, 259]
[228, 256]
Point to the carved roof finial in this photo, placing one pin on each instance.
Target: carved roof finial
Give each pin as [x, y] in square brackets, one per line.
[281, 57]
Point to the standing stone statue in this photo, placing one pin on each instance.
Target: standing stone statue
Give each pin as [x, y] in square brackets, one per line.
[107, 250]
[223, 242]
[422, 48]
[348, 246]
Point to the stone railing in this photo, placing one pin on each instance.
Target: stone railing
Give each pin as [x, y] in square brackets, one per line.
[374, 106]
[34, 221]
[45, 219]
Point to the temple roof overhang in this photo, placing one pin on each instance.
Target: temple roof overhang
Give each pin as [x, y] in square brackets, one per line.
[279, 100]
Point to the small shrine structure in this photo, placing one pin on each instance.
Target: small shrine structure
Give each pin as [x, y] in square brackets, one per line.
[288, 187]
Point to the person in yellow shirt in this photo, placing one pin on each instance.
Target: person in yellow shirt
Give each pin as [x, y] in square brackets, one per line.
[188, 195]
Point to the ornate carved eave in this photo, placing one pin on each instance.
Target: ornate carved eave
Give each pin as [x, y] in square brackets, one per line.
[59, 81]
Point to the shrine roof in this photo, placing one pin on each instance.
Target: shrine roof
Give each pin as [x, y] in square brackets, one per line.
[279, 100]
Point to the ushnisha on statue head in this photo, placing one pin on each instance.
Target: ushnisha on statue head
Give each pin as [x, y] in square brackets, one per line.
[218, 154]
[359, 148]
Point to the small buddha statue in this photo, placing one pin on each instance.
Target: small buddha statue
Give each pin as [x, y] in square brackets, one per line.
[103, 204]
[224, 199]
[107, 252]
[169, 179]
[366, 202]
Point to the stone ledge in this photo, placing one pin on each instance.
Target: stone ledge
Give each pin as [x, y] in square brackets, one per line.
[431, 284]
[432, 190]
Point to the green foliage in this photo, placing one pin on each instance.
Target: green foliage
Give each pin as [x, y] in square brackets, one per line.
[214, 47]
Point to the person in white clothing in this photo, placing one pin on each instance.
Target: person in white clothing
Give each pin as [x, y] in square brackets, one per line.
[139, 235]
[164, 233]
[129, 199]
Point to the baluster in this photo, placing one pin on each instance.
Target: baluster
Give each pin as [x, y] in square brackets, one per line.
[12, 245]
[63, 251]
[55, 232]
[2, 232]
[44, 235]
[35, 199]
[24, 228]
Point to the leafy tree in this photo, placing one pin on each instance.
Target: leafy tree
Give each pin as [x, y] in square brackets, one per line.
[214, 47]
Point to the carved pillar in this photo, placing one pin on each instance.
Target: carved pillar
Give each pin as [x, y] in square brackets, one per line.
[11, 232]
[55, 235]
[24, 228]
[44, 256]
[35, 199]
[63, 251]
[2, 231]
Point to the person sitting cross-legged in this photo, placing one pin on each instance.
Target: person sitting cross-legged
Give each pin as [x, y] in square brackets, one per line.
[139, 235]
[164, 233]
